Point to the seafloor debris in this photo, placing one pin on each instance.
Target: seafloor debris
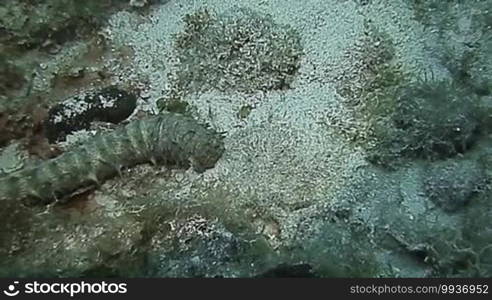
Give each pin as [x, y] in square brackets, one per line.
[170, 139]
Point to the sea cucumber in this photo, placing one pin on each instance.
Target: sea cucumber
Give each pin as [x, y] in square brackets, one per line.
[171, 139]
[110, 104]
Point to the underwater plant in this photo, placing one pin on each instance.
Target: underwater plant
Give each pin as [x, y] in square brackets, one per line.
[428, 119]
[238, 50]
[436, 119]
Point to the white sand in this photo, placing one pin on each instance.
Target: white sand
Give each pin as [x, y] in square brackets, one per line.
[282, 153]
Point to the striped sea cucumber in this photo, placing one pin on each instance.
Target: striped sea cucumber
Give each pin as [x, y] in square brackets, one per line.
[171, 139]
